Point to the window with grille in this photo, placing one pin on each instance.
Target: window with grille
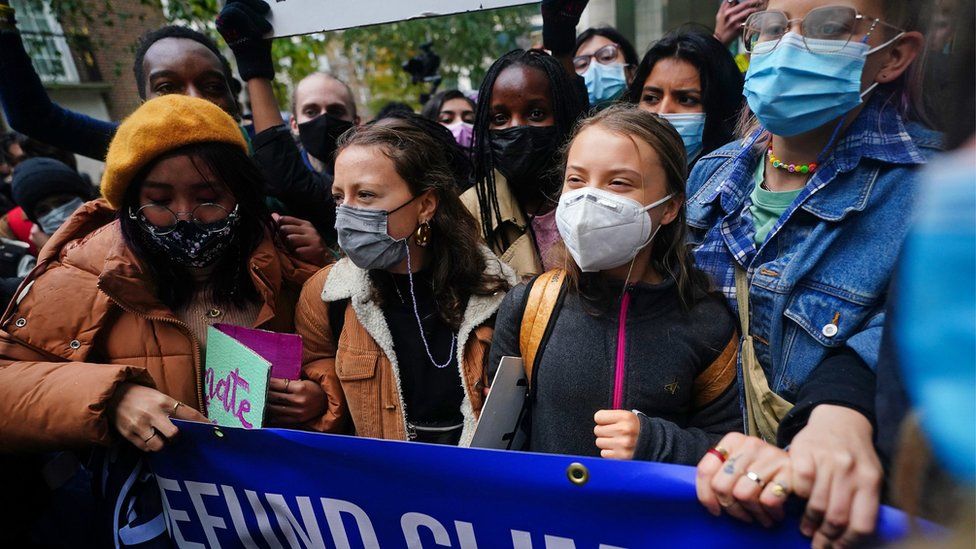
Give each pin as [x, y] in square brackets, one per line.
[45, 41]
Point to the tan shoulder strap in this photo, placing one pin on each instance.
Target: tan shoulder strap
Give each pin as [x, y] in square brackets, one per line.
[765, 409]
[742, 298]
[542, 300]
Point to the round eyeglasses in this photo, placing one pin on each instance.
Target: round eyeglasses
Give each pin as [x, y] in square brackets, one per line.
[824, 30]
[607, 55]
[161, 220]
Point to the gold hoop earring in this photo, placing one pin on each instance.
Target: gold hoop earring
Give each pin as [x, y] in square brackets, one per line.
[422, 235]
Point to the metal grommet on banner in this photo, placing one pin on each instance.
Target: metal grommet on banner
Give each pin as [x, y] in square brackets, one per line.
[217, 432]
[577, 473]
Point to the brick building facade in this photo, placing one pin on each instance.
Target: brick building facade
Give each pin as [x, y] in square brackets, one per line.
[110, 39]
[84, 58]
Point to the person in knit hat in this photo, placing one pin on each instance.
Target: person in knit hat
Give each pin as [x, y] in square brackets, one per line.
[41, 185]
[122, 295]
[47, 191]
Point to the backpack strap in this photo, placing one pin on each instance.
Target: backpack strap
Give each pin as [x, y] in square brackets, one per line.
[544, 297]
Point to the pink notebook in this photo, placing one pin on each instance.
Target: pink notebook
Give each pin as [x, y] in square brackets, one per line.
[283, 351]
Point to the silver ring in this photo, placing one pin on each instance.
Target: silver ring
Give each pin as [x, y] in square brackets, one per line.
[751, 475]
[146, 441]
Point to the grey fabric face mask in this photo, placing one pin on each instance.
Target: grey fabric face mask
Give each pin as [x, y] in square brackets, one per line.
[364, 238]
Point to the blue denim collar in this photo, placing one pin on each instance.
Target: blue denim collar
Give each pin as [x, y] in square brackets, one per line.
[878, 133]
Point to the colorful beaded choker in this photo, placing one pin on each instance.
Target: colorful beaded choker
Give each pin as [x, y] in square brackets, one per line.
[792, 168]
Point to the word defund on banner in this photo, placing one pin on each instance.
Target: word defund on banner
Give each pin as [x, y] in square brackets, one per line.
[277, 488]
[209, 503]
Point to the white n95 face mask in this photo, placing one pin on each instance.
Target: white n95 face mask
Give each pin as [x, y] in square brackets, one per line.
[603, 230]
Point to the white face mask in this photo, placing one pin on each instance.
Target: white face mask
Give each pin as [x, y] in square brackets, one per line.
[603, 230]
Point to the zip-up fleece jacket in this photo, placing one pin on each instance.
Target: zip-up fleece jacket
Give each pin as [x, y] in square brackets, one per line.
[677, 369]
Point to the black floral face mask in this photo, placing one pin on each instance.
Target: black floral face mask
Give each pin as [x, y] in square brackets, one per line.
[193, 245]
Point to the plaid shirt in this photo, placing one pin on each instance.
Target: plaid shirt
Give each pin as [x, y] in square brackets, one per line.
[876, 134]
[818, 282]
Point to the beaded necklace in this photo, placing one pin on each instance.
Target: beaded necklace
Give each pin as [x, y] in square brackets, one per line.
[792, 168]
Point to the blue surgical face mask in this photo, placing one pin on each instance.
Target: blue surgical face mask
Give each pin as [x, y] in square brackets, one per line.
[690, 127]
[793, 90]
[604, 83]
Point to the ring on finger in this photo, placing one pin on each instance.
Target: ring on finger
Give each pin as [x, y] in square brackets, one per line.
[175, 408]
[779, 490]
[721, 453]
[753, 476]
[154, 433]
[287, 381]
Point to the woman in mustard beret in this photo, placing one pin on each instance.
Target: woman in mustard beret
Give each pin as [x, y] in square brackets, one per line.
[103, 344]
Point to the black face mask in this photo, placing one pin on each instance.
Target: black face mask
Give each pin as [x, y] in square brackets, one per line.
[524, 155]
[320, 134]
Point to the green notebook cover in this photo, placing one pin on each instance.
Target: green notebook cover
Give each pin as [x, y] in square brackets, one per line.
[236, 382]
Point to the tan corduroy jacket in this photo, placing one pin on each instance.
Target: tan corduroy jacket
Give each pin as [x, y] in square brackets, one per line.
[522, 255]
[360, 373]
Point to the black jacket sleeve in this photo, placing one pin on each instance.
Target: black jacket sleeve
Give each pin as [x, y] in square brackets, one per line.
[31, 112]
[843, 379]
[304, 192]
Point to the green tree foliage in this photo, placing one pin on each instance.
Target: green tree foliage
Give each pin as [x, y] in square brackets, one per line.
[371, 57]
[467, 44]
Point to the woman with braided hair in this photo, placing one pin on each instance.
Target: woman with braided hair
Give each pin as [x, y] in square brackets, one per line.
[527, 107]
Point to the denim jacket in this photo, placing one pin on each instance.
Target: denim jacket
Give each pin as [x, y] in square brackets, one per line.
[818, 282]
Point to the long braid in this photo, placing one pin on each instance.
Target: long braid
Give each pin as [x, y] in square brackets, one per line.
[484, 168]
[568, 105]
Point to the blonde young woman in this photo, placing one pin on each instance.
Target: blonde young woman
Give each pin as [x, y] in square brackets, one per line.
[639, 362]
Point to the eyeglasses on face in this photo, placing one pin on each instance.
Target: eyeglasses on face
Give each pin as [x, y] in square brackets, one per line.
[161, 220]
[607, 55]
[824, 30]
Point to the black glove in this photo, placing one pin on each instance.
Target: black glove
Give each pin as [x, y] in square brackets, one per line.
[559, 20]
[243, 25]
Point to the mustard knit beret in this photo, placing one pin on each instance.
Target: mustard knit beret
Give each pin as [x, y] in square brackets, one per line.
[158, 126]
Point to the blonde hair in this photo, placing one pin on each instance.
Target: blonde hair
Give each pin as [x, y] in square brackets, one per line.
[670, 253]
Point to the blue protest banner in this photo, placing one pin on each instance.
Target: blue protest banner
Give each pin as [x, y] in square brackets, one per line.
[279, 488]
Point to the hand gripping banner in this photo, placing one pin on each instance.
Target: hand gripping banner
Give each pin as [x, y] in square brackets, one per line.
[278, 488]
